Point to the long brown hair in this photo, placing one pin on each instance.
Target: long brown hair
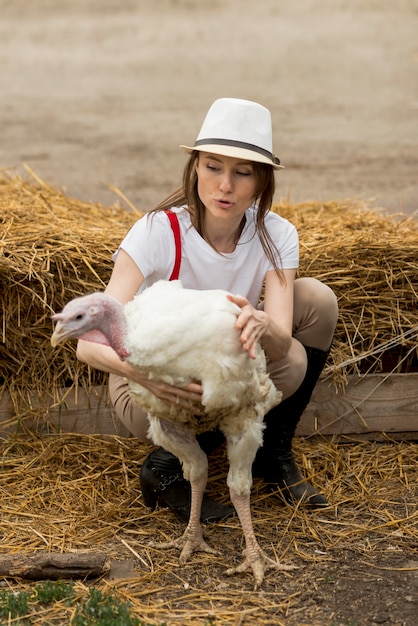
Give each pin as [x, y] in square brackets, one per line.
[187, 196]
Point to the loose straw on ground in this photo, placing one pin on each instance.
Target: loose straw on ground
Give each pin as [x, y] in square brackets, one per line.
[74, 493]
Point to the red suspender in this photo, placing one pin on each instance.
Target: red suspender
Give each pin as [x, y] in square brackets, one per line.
[174, 223]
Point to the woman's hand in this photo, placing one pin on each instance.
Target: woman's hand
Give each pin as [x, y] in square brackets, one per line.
[252, 323]
[188, 397]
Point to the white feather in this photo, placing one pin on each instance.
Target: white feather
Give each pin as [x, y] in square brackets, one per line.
[178, 335]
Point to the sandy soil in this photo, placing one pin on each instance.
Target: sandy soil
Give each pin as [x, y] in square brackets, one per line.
[101, 92]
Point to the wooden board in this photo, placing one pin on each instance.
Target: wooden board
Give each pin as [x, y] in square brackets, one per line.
[368, 408]
[77, 412]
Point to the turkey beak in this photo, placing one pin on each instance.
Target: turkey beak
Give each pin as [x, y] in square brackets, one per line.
[59, 335]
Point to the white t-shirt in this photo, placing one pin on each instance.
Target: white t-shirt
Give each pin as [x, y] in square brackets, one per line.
[150, 243]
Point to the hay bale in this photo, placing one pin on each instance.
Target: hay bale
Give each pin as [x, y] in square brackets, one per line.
[370, 260]
[53, 248]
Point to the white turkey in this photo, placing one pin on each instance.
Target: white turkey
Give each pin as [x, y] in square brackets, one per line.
[181, 335]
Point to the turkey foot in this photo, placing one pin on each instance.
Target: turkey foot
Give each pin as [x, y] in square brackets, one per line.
[190, 542]
[257, 561]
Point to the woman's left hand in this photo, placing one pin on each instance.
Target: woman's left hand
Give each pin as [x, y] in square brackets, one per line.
[252, 323]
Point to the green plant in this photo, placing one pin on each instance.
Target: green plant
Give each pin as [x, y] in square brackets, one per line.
[105, 610]
[53, 591]
[98, 609]
[329, 579]
[13, 604]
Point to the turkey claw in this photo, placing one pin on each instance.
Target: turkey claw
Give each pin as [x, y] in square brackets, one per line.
[259, 565]
[188, 546]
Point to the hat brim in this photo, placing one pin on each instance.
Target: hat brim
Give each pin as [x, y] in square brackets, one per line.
[233, 151]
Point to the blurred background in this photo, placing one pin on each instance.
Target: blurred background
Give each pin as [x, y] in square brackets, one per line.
[96, 93]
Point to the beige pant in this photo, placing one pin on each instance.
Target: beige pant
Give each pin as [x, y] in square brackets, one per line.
[315, 317]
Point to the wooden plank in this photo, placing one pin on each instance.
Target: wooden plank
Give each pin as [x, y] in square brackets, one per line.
[368, 407]
[377, 403]
[76, 412]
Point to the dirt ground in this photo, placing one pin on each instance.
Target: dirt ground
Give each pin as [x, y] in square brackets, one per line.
[101, 92]
[357, 560]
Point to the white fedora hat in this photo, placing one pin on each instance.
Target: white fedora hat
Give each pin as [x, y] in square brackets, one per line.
[237, 128]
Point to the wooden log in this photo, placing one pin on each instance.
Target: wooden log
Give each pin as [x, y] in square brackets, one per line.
[51, 566]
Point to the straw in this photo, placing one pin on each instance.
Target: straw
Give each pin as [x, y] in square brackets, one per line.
[68, 493]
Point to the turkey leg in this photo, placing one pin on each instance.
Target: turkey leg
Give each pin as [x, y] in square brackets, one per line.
[183, 444]
[242, 446]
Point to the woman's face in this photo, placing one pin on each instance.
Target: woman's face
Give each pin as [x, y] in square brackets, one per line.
[226, 185]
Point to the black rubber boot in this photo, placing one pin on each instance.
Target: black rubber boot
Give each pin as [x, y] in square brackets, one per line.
[161, 479]
[274, 461]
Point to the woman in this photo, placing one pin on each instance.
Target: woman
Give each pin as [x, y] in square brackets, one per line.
[230, 240]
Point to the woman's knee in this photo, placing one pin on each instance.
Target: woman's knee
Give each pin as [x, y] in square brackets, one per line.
[316, 313]
[316, 293]
[288, 374]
